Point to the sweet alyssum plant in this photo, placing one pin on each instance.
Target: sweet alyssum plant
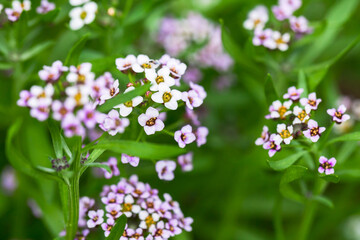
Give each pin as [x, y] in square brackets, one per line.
[88, 115]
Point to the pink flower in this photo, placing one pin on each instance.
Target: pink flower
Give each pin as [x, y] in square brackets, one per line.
[262, 36]
[96, 218]
[293, 93]
[150, 121]
[112, 163]
[326, 165]
[192, 99]
[24, 98]
[312, 101]
[62, 109]
[165, 169]
[53, 73]
[339, 115]
[264, 136]
[88, 115]
[300, 25]
[184, 136]
[123, 64]
[40, 110]
[314, 131]
[45, 7]
[273, 145]
[72, 126]
[113, 124]
[201, 135]
[110, 222]
[282, 12]
[185, 161]
[133, 161]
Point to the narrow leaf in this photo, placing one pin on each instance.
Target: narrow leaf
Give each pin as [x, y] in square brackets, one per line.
[331, 178]
[95, 154]
[118, 229]
[302, 83]
[291, 174]
[99, 165]
[74, 53]
[284, 163]
[355, 136]
[56, 138]
[35, 50]
[122, 98]
[270, 91]
[323, 200]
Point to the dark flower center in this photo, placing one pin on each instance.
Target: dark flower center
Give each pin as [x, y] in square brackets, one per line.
[151, 121]
[314, 131]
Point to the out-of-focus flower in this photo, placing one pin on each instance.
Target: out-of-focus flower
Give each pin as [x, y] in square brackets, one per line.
[112, 163]
[51, 74]
[314, 131]
[132, 160]
[263, 37]
[96, 218]
[265, 135]
[282, 11]
[201, 135]
[338, 115]
[78, 2]
[185, 161]
[300, 25]
[113, 124]
[165, 169]
[257, 18]
[45, 7]
[72, 126]
[293, 93]
[9, 182]
[281, 40]
[326, 165]
[83, 15]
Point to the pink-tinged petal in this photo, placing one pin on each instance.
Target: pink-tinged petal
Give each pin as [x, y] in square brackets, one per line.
[342, 108]
[186, 129]
[272, 152]
[304, 101]
[322, 129]
[323, 159]
[287, 140]
[152, 112]
[159, 125]
[321, 170]
[113, 114]
[315, 138]
[345, 117]
[332, 162]
[280, 127]
[259, 141]
[329, 171]
[312, 124]
[331, 112]
[307, 133]
[149, 130]
[142, 119]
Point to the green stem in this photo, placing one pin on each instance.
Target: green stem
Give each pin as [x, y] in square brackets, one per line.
[326, 136]
[168, 132]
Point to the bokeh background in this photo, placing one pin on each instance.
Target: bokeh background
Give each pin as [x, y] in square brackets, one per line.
[231, 193]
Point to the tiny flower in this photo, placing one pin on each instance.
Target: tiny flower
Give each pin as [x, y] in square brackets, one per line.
[293, 93]
[72, 126]
[147, 219]
[273, 145]
[41, 94]
[279, 110]
[110, 222]
[326, 165]
[262, 37]
[24, 5]
[129, 208]
[81, 74]
[24, 98]
[285, 133]
[192, 116]
[173, 227]
[112, 163]
[138, 235]
[144, 64]
[312, 101]
[45, 7]
[162, 76]
[198, 89]
[201, 135]
[127, 107]
[257, 18]
[51, 74]
[40, 110]
[184, 136]
[167, 96]
[192, 99]
[281, 41]
[282, 12]
[301, 115]
[150, 121]
[82, 15]
[185, 161]
[293, 4]
[113, 124]
[314, 131]
[300, 25]
[123, 64]
[113, 91]
[133, 161]
[78, 2]
[79, 95]
[88, 115]
[165, 169]
[113, 210]
[264, 136]
[62, 109]
[13, 14]
[159, 231]
[96, 218]
[185, 223]
[177, 68]
[339, 115]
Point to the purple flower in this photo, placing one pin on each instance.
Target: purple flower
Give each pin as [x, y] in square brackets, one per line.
[261, 36]
[62, 109]
[185, 223]
[282, 12]
[113, 197]
[45, 7]
[165, 169]
[314, 131]
[113, 210]
[192, 75]
[326, 165]
[53, 73]
[113, 124]
[192, 116]
[112, 92]
[110, 222]
[311, 100]
[293, 93]
[24, 98]
[150, 121]
[199, 90]
[184, 136]
[185, 161]
[40, 110]
[112, 163]
[201, 135]
[8, 180]
[96, 218]
[300, 25]
[264, 136]
[88, 115]
[159, 231]
[133, 161]
[273, 145]
[123, 64]
[173, 228]
[192, 99]
[72, 126]
[339, 115]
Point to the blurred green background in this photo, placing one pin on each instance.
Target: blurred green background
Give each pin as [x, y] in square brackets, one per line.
[232, 193]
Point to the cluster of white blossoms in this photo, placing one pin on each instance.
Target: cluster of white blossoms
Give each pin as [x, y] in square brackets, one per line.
[84, 13]
[18, 7]
[272, 39]
[294, 116]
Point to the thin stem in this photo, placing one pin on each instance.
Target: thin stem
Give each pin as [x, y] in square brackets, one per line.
[168, 132]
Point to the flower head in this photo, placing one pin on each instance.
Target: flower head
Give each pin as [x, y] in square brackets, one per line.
[279, 110]
[167, 96]
[257, 18]
[133, 161]
[185, 161]
[300, 25]
[338, 115]
[162, 76]
[113, 124]
[83, 15]
[112, 163]
[96, 218]
[264, 136]
[301, 115]
[150, 121]
[326, 165]
[273, 145]
[45, 7]
[314, 131]
[184, 136]
[311, 100]
[293, 93]
[165, 169]
[281, 40]
[201, 135]
[284, 133]
[124, 64]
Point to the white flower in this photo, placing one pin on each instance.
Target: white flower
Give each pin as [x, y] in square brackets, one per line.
[257, 18]
[78, 2]
[126, 108]
[162, 76]
[124, 64]
[279, 110]
[167, 96]
[81, 74]
[147, 219]
[25, 5]
[301, 115]
[113, 91]
[129, 207]
[150, 121]
[78, 94]
[285, 133]
[82, 15]
[41, 94]
[281, 41]
[144, 64]
[176, 67]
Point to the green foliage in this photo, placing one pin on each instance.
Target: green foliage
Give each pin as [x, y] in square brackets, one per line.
[292, 174]
[118, 229]
[284, 163]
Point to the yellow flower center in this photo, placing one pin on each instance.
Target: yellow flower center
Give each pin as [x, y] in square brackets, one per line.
[149, 221]
[128, 104]
[282, 110]
[127, 207]
[285, 134]
[314, 131]
[83, 15]
[159, 79]
[302, 115]
[151, 121]
[167, 97]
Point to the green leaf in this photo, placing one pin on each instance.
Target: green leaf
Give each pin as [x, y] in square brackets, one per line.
[32, 52]
[349, 173]
[302, 81]
[270, 91]
[291, 174]
[118, 229]
[140, 149]
[74, 53]
[5, 66]
[95, 154]
[323, 200]
[50, 16]
[56, 138]
[99, 165]
[355, 136]
[122, 98]
[331, 178]
[284, 163]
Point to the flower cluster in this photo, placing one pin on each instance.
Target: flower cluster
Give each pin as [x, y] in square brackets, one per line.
[84, 13]
[17, 9]
[272, 39]
[177, 35]
[149, 217]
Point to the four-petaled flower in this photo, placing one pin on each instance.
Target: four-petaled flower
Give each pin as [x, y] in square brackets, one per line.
[83, 15]
[314, 131]
[257, 18]
[264, 136]
[165, 169]
[339, 115]
[273, 145]
[311, 101]
[185, 161]
[96, 218]
[284, 133]
[279, 110]
[184, 136]
[167, 96]
[150, 121]
[132, 160]
[326, 165]
[301, 115]
[293, 93]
